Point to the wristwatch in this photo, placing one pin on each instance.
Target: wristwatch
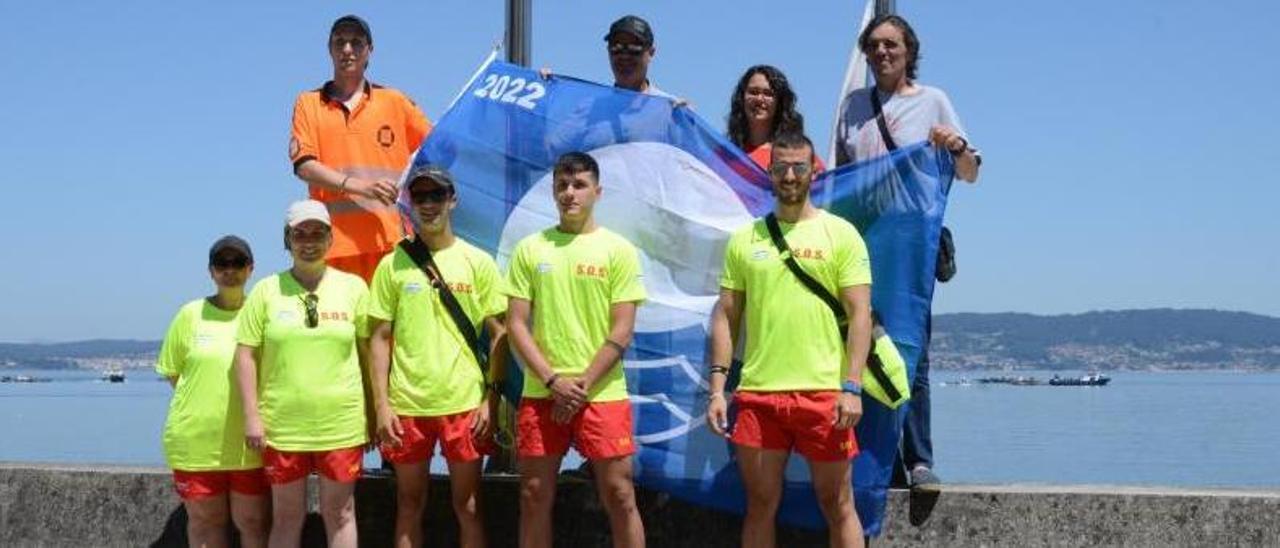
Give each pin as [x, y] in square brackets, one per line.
[851, 387]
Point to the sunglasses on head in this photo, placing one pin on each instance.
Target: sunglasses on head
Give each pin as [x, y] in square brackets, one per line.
[629, 49]
[311, 302]
[779, 169]
[230, 262]
[435, 195]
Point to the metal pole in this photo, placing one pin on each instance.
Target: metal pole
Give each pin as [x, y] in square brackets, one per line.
[885, 7]
[519, 31]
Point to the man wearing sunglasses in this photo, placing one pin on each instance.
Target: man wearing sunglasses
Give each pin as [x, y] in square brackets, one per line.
[800, 380]
[429, 386]
[351, 140]
[630, 47]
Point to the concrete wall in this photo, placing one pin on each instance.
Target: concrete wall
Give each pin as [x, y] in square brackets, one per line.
[114, 506]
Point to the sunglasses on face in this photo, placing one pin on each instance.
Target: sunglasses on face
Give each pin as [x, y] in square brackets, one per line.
[618, 48]
[779, 169]
[236, 263]
[434, 196]
[311, 303]
[356, 44]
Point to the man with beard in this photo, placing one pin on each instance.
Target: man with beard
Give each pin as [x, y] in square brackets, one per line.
[800, 387]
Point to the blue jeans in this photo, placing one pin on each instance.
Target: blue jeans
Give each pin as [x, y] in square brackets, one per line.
[917, 442]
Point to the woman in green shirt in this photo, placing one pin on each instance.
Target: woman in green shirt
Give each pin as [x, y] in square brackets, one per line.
[215, 472]
[299, 368]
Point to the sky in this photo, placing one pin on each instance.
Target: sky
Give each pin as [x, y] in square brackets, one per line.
[1128, 145]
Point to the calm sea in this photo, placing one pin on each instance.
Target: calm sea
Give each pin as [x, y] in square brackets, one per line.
[1174, 429]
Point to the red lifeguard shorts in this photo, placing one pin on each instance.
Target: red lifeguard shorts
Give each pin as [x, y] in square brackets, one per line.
[192, 485]
[600, 430]
[340, 465]
[786, 421]
[418, 442]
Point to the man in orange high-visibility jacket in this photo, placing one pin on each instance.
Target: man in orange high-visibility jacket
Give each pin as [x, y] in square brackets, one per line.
[351, 140]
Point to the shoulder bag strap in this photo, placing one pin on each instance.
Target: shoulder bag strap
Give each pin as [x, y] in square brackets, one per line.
[874, 365]
[889, 143]
[421, 255]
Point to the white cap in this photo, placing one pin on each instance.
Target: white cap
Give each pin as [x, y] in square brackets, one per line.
[306, 210]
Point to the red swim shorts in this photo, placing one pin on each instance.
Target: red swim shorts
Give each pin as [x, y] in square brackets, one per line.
[786, 421]
[193, 485]
[600, 430]
[418, 442]
[340, 465]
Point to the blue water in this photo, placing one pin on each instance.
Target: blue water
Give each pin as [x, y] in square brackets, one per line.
[1175, 429]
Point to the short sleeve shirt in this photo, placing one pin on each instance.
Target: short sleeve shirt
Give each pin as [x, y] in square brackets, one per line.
[573, 280]
[434, 371]
[310, 383]
[374, 140]
[793, 341]
[205, 427]
[910, 119]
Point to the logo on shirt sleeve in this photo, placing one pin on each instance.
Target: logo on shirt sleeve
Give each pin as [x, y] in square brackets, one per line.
[544, 268]
[759, 255]
[386, 137]
[412, 287]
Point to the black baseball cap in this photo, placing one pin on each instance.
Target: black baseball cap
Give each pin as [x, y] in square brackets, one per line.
[632, 25]
[233, 244]
[352, 20]
[434, 172]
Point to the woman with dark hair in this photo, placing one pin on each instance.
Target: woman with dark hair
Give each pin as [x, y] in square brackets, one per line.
[217, 475]
[763, 105]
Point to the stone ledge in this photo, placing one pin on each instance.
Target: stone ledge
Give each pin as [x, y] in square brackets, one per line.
[79, 505]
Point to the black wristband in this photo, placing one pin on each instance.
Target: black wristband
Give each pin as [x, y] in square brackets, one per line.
[719, 369]
[621, 349]
[551, 380]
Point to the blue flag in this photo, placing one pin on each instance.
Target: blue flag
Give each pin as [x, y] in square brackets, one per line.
[677, 189]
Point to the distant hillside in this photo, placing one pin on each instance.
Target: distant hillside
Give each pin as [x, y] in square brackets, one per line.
[79, 354]
[1126, 339]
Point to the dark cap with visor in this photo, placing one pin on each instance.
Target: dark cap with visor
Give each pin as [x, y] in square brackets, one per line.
[632, 25]
[433, 172]
[233, 244]
[354, 21]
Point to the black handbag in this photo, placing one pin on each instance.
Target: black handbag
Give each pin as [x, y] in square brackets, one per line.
[945, 267]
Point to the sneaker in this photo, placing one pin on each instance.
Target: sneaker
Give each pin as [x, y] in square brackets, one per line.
[923, 478]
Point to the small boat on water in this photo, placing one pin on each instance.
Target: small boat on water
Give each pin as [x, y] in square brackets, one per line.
[1092, 379]
[113, 375]
[23, 378]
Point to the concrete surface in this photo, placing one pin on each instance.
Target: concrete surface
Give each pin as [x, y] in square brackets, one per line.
[53, 505]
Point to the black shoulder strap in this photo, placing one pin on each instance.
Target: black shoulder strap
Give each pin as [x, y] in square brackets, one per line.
[874, 365]
[775, 234]
[880, 121]
[421, 255]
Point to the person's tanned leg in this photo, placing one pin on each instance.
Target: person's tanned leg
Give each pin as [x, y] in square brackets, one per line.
[207, 521]
[252, 516]
[833, 483]
[537, 499]
[464, 483]
[411, 496]
[618, 493]
[338, 508]
[762, 477]
[288, 511]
